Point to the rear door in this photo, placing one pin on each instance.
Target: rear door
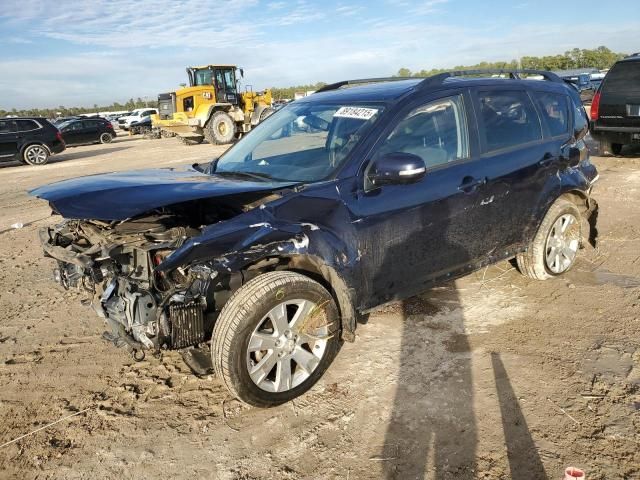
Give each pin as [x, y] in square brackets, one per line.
[73, 133]
[620, 96]
[520, 161]
[8, 139]
[91, 131]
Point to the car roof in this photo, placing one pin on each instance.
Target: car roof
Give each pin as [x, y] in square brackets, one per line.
[391, 90]
[632, 58]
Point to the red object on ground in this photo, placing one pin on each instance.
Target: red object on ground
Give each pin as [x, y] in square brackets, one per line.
[573, 473]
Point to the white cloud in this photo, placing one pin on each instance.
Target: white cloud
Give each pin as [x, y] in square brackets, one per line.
[133, 49]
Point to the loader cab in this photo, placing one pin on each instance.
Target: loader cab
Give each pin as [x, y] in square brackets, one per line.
[221, 77]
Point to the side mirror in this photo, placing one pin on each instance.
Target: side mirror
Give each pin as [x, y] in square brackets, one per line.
[397, 168]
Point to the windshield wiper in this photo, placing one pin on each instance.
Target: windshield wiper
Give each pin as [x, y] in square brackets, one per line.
[258, 175]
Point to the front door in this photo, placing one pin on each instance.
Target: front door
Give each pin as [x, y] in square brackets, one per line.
[225, 86]
[73, 133]
[409, 235]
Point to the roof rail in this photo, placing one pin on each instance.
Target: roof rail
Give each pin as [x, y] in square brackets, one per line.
[439, 78]
[337, 85]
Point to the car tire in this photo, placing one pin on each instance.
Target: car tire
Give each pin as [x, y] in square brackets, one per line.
[106, 138]
[616, 149]
[221, 129]
[267, 112]
[35, 154]
[293, 337]
[555, 246]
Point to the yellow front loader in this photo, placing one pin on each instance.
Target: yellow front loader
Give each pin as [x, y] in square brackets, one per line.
[211, 107]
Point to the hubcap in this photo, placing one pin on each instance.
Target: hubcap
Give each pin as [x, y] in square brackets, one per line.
[36, 154]
[222, 128]
[106, 138]
[562, 243]
[287, 345]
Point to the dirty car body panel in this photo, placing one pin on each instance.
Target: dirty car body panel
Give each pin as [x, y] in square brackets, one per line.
[162, 251]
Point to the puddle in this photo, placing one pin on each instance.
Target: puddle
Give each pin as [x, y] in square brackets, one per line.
[603, 277]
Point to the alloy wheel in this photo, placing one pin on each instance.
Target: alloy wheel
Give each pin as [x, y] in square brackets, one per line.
[281, 353]
[36, 155]
[562, 243]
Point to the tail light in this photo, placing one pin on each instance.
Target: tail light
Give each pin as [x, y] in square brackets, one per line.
[109, 126]
[595, 107]
[59, 136]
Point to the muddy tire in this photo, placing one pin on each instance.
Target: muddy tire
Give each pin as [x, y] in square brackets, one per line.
[35, 155]
[106, 138]
[274, 338]
[267, 112]
[555, 246]
[221, 129]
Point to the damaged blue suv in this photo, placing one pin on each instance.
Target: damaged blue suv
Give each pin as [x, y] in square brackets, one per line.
[366, 192]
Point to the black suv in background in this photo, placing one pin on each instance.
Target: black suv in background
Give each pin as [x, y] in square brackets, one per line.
[615, 110]
[81, 131]
[29, 140]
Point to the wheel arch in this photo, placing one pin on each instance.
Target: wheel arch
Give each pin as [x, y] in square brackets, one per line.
[316, 269]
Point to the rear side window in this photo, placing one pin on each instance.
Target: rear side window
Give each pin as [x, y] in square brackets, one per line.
[436, 132]
[7, 126]
[92, 123]
[508, 119]
[624, 77]
[26, 125]
[555, 111]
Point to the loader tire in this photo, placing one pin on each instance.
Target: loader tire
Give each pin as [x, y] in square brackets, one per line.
[267, 112]
[221, 129]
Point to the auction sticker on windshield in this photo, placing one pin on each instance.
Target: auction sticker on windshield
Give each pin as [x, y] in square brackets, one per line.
[356, 112]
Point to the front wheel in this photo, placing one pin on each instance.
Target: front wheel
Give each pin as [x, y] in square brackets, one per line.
[221, 129]
[555, 246]
[274, 338]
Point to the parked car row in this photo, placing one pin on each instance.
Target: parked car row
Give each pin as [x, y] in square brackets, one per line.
[34, 140]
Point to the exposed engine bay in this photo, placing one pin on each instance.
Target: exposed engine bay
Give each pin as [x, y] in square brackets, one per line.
[114, 262]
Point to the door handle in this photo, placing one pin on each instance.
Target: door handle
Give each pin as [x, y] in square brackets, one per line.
[470, 184]
[546, 160]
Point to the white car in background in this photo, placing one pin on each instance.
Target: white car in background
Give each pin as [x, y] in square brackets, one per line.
[137, 115]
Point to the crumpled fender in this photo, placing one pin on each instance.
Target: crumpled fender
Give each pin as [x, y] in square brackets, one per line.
[268, 232]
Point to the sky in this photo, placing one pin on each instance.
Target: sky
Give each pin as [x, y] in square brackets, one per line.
[80, 53]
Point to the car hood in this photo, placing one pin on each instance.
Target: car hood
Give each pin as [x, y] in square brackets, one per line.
[122, 195]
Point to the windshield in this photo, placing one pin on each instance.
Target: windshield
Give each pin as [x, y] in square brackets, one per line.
[303, 142]
[203, 77]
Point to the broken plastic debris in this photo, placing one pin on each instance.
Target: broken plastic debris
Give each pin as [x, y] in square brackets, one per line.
[17, 225]
[573, 473]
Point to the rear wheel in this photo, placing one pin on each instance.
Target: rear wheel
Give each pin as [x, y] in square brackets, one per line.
[616, 148]
[221, 129]
[555, 246]
[106, 137]
[35, 155]
[274, 338]
[267, 112]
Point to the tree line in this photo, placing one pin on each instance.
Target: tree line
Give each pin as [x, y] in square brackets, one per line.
[600, 58]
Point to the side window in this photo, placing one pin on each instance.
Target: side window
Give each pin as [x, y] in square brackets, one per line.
[555, 111]
[90, 123]
[75, 126]
[580, 120]
[7, 126]
[26, 125]
[508, 119]
[436, 132]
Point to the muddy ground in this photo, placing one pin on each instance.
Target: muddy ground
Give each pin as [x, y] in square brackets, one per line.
[493, 376]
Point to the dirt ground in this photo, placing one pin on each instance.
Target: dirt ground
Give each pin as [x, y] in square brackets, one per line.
[494, 376]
